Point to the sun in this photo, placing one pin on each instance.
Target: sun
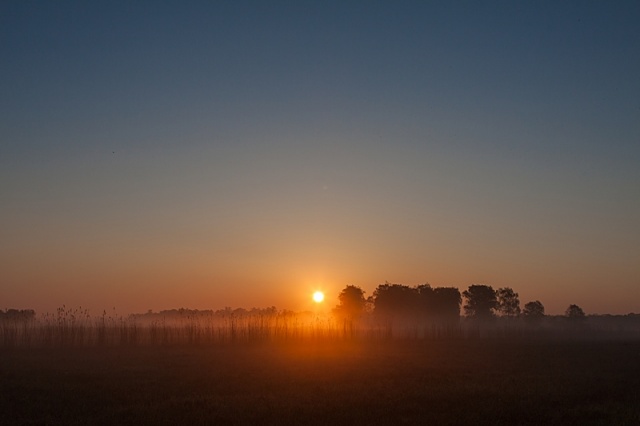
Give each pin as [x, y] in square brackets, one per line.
[318, 297]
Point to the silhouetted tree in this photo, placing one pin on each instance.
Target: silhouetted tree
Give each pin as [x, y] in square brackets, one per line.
[369, 305]
[446, 304]
[533, 311]
[508, 302]
[481, 302]
[426, 301]
[574, 312]
[416, 306]
[352, 303]
[396, 302]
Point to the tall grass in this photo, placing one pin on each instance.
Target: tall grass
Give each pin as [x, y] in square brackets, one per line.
[69, 327]
[76, 327]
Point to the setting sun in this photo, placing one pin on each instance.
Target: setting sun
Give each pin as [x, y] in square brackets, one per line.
[318, 296]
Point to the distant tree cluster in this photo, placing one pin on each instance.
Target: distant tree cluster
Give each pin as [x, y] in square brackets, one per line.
[402, 304]
[18, 314]
[183, 313]
[423, 303]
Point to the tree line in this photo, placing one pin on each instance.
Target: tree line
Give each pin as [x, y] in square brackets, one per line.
[17, 314]
[402, 304]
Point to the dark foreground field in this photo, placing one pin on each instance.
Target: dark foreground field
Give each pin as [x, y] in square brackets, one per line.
[464, 382]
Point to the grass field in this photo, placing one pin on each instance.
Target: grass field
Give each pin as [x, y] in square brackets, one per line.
[326, 381]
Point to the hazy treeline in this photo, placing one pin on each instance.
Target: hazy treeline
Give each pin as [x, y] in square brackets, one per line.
[393, 310]
[426, 311]
[441, 305]
[17, 314]
[220, 314]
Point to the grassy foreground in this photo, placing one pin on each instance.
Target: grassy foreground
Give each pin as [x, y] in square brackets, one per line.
[465, 382]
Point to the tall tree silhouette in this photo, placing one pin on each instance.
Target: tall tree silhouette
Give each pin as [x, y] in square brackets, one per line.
[481, 302]
[351, 303]
[533, 311]
[396, 302]
[447, 303]
[508, 302]
[440, 304]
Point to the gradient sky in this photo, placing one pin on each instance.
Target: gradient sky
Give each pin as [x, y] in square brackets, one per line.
[157, 155]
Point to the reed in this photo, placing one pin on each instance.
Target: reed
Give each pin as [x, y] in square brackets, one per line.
[76, 327]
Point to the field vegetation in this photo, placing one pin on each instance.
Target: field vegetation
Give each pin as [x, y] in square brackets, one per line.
[266, 366]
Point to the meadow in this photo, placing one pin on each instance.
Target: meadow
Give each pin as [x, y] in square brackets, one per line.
[292, 372]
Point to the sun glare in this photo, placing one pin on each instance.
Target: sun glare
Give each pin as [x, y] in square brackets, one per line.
[318, 296]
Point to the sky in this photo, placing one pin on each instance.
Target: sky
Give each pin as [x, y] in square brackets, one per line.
[157, 155]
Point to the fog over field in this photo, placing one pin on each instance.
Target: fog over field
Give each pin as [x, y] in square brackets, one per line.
[205, 154]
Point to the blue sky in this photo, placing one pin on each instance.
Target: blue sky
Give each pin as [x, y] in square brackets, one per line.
[243, 153]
